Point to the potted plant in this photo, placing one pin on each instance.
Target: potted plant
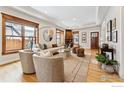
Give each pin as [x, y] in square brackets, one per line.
[101, 59]
[109, 66]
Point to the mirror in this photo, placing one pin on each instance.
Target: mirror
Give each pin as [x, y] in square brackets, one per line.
[48, 34]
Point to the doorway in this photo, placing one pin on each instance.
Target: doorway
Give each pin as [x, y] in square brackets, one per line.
[94, 40]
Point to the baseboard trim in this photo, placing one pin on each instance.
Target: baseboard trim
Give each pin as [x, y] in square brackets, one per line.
[9, 63]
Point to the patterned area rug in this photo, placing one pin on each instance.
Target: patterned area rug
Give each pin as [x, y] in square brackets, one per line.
[76, 68]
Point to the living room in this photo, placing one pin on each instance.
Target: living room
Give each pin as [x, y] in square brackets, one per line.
[66, 37]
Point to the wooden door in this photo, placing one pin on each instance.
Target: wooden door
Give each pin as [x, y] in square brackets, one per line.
[94, 40]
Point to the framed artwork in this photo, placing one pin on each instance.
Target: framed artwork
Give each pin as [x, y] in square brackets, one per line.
[114, 36]
[109, 31]
[108, 26]
[48, 34]
[84, 36]
[108, 55]
[108, 36]
[114, 24]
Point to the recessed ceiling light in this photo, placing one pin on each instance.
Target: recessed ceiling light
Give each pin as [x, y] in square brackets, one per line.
[74, 19]
[62, 21]
[45, 12]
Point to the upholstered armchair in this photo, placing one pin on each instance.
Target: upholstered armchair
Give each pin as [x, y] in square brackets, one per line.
[27, 61]
[80, 52]
[49, 69]
[74, 49]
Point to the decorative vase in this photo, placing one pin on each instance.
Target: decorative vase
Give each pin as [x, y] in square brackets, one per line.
[108, 68]
[103, 66]
[116, 68]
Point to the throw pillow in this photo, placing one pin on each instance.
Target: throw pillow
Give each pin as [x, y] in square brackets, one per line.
[41, 46]
[45, 46]
[54, 45]
[45, 54]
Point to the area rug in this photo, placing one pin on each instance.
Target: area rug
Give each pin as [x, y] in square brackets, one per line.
[76, 68]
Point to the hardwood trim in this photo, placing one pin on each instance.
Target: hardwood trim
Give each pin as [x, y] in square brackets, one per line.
[23, 22]
[19, 20]
[37, 35]
[76, 32]
[23, 41]
[59, 31]
[10, 52]
[3, 35]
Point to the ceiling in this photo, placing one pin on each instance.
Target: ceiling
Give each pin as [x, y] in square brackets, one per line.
[73, 17]
[70, 16]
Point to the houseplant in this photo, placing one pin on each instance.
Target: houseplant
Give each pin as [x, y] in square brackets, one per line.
[101, 59]
[109, 66]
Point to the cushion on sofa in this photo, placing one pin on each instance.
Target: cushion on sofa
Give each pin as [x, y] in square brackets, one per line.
[54, 45]
[49, 45]
[45, 46]
[45, 53]
[36, 50]
[27, 50]
[41, 46]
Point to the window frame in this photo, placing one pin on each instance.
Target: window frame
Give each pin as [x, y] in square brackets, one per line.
[76, 32]
[60, 32]
[22, 22]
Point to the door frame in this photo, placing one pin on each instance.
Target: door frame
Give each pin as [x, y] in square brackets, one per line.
[91, 40]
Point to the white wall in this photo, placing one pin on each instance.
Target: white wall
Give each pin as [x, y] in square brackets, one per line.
[88, 31]
[13, 57]
[53, 41]
[114, 12]
[121, 71]
[118, 13]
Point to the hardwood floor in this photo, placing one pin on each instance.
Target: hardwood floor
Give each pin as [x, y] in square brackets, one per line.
[95, 74]
[13, 73]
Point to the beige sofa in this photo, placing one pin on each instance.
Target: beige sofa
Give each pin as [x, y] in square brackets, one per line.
[50, 49]
[27, 61]
[49, 69]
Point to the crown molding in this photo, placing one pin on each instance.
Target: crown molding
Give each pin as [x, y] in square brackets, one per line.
[33, 13]
[101, 14]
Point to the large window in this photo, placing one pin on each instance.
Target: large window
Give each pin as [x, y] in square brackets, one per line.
[29, 34]
[17, 33]
[75, 38]
[59, 37]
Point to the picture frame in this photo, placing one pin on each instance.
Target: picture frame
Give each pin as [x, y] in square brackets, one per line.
[114, 24]
[108, 36]
[114, 36]
[108, 55]
[84, 36]
[83, 40]
[109, 30]
[108, 26]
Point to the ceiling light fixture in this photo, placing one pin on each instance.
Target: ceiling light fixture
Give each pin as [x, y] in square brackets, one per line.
[45, 12]
[74, 19]
[63, 22]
